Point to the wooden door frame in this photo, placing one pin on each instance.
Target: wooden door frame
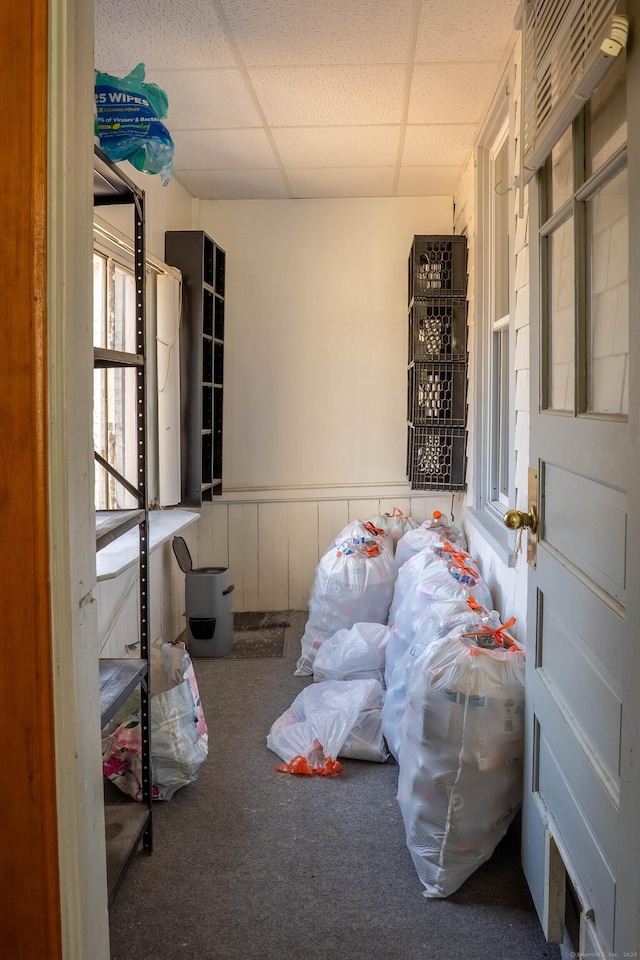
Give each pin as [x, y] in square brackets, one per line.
[29, 879]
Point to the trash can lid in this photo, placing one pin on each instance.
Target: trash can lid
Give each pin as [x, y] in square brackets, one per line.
[183, 556]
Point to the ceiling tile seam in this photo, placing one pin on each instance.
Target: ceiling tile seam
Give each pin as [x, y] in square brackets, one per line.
[235, 50]
[408, 79]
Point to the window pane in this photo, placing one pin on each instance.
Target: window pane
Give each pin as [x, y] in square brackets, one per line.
[608, 115]
[560, 325]
[501, 195]
[114, 435]
[99, 301]
[608, 340]
[124, 321]
[560, 188]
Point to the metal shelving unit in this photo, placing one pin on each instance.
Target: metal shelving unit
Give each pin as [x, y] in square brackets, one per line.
[127, 823]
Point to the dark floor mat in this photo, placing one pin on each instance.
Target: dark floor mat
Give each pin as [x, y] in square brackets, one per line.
[258, 635]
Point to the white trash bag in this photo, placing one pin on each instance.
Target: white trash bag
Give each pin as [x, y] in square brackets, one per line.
[438, 619]
[353, 584]
[429, 534]
[179, 736]
[327, 720]
[461, 753]
[394, 524]
[451, 577]
[352, 654]
[361, 532]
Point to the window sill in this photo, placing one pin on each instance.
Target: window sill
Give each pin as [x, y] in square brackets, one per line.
[122, 553]
[494, 533]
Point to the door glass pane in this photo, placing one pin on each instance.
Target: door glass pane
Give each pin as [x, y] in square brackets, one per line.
[608, 339]
[608, 116]
[561, 186]
[561, 327]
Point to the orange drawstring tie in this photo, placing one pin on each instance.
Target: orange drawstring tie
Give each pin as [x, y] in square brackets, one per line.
[497, 633]
[300, 766]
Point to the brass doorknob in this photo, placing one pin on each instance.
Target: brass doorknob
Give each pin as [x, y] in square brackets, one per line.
[517, 519]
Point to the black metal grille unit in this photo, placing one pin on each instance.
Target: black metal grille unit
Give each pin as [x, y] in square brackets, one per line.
[436, 458]
[438, 267]
[438, 330]
[437, 394]
[437, 371]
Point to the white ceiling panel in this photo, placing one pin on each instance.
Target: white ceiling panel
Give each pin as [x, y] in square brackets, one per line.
[428, 181]
[330, 96]
[346, 182]
[301, 32]
[451, 92]
[224, 150]
[464, 30]
[438, 144]
[205, 99]
[159, 34]
[234, 184]
[294, 98]
[337, 146]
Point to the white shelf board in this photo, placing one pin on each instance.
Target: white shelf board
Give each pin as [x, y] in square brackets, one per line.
[122, 553]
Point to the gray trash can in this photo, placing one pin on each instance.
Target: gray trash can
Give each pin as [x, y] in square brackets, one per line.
[208, 610]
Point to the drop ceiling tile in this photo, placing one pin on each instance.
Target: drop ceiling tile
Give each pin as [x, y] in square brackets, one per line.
[438, 144]
[348, 182]
[234, 184]
[452, 92]
[207, 99]
[337, 146]
[158, 34]
[223, 150]
[330, 96]
[428, 181]
[464, 30]
[288, 32]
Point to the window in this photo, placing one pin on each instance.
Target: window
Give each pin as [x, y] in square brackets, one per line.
[585, 260]
[500, 335]
[114, 390]
[493, 448]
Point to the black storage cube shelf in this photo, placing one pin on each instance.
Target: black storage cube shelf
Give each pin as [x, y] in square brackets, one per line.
[437, 363]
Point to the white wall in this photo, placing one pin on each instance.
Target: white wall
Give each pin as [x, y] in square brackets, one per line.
[316, 337]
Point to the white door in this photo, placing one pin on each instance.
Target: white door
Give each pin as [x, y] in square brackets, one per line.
[577, 819]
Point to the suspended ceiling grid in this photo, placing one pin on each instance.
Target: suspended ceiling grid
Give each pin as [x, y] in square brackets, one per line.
[276, 99]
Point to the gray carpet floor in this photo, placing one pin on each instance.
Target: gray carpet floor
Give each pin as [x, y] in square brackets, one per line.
[251, 864]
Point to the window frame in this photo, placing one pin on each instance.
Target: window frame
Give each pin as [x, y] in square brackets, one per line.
[117, 399]
[489, 501]
[586, 184]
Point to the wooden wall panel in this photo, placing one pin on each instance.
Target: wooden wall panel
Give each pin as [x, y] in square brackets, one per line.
[243, 555]
[303, 552]
[30, 923]
[273, 556]
[333, 515]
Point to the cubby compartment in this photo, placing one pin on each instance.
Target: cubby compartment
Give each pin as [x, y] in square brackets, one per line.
[207, 313]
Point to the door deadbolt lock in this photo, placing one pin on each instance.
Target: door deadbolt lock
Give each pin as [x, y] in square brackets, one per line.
[518, 519]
